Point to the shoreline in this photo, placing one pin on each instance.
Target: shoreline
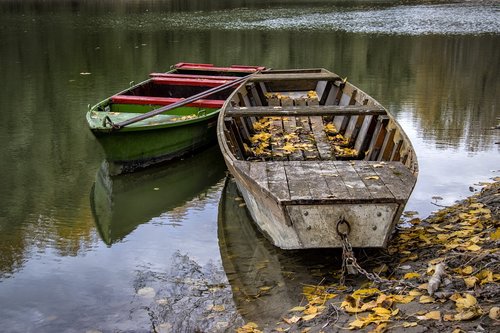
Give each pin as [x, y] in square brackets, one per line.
[457, 245]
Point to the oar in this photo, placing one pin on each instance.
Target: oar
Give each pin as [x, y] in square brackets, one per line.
[193, 98]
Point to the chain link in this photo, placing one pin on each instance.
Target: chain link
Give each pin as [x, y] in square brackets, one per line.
[349, 260]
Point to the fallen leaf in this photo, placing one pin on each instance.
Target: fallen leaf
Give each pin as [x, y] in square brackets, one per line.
[291, 320]
[495, 235]
[411, 275]
[471, 281]
[433, 315]
[424, 299]
[407, 324]
[494, 313]
[297, 308]
[372, 177]
[309, 317]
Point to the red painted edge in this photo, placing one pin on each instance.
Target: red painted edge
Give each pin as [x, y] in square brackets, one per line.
[194, 76]
[146, 100]
[189, 82]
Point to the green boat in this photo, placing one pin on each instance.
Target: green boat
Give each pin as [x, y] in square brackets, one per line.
[167, 116]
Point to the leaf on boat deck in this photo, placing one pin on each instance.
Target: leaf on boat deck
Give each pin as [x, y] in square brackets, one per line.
[372, 178]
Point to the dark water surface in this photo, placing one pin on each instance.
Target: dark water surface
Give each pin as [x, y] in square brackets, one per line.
[80, 251]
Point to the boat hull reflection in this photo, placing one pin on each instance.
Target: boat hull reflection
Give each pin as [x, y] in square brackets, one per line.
[121, 203]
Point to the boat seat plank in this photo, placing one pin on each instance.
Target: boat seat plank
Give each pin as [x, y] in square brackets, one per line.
[277, 180]
[276, 77]
[311, 110]
[193, 76]
[177, 81]
[151, 100]
[210, 67]
[373, 183]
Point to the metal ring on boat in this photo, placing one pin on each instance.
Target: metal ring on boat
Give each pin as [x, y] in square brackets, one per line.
[340, 223]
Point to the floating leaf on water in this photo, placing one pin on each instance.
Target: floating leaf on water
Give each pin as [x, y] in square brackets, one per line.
[85, 73]
[156, 188]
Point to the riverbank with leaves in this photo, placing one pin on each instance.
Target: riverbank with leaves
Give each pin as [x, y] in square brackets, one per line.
[439, 273]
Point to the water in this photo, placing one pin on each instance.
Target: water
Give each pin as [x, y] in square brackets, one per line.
[75, 256]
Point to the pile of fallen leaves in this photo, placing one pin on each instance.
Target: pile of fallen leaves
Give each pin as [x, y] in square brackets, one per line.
[449, 267]
[270, 141]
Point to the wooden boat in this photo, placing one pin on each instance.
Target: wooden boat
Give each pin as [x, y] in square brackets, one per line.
[121, 203]
[132, 140]
[316, 158]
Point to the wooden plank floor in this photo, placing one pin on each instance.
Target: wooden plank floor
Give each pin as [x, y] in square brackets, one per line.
[333, 181]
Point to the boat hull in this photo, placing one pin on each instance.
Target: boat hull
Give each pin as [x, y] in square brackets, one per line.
[129, 150]
[316, 158]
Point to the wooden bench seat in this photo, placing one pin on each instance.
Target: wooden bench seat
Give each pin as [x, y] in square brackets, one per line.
[193, 76]
[151, 100]
[210, 67]
[177, 81]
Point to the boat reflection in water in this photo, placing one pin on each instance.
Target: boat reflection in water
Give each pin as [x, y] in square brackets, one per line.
[121, 203]
[266, 281]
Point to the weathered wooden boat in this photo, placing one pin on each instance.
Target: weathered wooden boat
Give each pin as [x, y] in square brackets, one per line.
[121, 203]
[141, 125]
[316, 158]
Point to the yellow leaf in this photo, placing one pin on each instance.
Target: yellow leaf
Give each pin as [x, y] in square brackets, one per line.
[448, 317]
[358, 323]
[467, 270]
[485, 276]
[362, 293]
[311, 310]
[415, 293]
[474, 248]
[424, 299]
[404, 299]
[467, 315]
[218, 308]
[382, 327]
[291, 320]
[433, 315]
[372, 177]
[471, 281]
[466, 302]
[411, 275]
[297, 308]
[381, 311]
[495, 235]
[407, 324]
[309, 317]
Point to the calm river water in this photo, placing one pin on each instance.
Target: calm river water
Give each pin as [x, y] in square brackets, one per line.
[170, 249]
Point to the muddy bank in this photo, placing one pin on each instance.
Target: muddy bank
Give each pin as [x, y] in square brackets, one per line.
[441, 273]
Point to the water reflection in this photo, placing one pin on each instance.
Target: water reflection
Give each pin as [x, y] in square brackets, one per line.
[121, 203]
[265, 280]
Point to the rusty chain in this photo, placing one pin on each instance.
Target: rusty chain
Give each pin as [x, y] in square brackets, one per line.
[350, 263]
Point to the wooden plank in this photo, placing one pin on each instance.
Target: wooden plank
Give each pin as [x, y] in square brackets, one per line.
[322, 110]
[306, 137]
[372, 181]
[277, 140]
[322, 144]
[290, 126]
[377, 138]
[318, 186]
[297, 181]
[326, 93]
[336, 185]
[393, 175]
[365, 133]
[355, 185]
[267, 77]
[258, 172]
[277, 180]
[386, 150]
